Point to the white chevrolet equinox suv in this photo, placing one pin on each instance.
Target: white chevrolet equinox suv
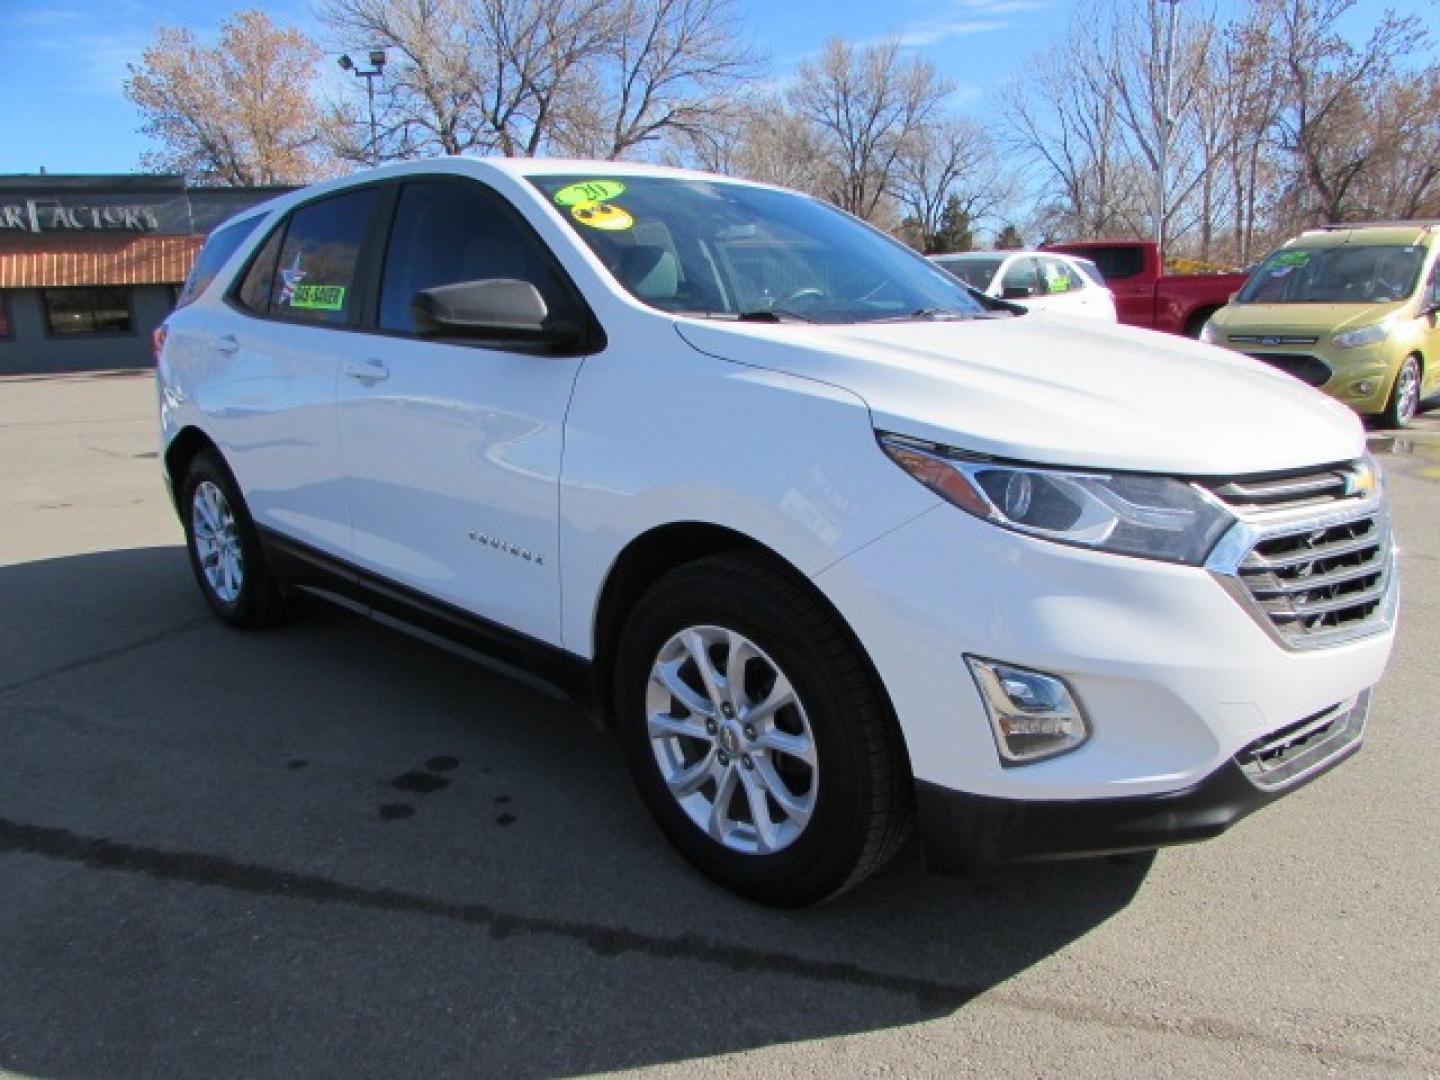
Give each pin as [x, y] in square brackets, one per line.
[836, 544]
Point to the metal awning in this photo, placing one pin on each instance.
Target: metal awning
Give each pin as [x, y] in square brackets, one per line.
[51, 261]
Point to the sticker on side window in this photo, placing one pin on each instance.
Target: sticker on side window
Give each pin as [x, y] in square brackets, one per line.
[1292, 258]
[318, 297]
[589, 191]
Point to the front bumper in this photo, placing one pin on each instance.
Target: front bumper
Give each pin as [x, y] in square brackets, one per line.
[962, 832]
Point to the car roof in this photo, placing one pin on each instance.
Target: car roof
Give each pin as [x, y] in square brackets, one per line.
[1403, 234]
[511, 168]
[956, 256]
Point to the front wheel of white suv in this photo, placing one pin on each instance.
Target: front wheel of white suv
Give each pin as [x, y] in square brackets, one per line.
[757, 735]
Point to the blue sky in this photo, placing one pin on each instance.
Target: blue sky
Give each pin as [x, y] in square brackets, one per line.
[64, 60]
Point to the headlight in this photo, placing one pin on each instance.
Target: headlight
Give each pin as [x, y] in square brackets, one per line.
[1366, 335]
[1209, 333]
[1153, 517]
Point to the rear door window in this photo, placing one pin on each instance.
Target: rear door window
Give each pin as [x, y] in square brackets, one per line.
[1059, 277]
[1021, 275]
[316, 274]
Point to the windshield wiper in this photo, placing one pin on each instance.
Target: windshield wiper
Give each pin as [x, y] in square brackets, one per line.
[772, 315]
[929, 314]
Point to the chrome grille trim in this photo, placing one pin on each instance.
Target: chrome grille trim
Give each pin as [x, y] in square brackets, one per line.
[1326, 485]
[1294, 752]
[1313, 577]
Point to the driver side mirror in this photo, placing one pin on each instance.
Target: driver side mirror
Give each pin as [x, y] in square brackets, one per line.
[496, 309]
[1017, 292]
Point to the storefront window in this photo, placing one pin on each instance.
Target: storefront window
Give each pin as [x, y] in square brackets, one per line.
[4, 316]
[91, 310]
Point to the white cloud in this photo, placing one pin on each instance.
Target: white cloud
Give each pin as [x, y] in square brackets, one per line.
[967, 18]
[93, 63]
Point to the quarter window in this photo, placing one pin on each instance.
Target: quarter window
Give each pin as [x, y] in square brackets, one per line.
[223, 243]
[445, 233]
[1117, 263]
[258, 284]
[315, 278]
[89, 310]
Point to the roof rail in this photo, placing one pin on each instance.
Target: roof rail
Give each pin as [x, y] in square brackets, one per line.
[1425, 223]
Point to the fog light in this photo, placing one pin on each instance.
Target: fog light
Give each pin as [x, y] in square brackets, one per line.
[1365, 387]
[1032, 715]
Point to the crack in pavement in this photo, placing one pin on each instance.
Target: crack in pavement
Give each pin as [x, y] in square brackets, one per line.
[934, 997]
[105, 654]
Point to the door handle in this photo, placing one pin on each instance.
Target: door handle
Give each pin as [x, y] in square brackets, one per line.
[366, 370]
[227, 344]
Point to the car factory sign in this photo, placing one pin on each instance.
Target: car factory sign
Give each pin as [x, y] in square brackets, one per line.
[48, 215]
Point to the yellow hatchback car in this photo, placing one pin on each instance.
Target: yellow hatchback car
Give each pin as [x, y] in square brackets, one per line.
[1351, 309]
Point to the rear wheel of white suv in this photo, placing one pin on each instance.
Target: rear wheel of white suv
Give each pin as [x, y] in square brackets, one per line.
[757, 735]
[224, 547]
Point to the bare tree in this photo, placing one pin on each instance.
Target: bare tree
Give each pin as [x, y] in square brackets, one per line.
[239, 113]
[1405, 179]
[1249, 97]
[670, 66]
[1064, 119]
[867, 101]
[1328, 87]
[428, 100]
[760, 139]
[476, 75]
[1144, 83]
[949, 167]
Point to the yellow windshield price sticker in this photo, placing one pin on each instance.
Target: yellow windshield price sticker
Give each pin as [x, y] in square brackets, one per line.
[598, 215]
[588, 191]
[319, 297]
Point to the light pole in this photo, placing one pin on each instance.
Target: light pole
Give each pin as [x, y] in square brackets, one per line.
[377, 69]
[1167, 124]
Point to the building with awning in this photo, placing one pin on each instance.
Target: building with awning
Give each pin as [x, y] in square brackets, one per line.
[90, 265]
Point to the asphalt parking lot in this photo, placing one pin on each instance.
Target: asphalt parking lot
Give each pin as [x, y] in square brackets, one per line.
[333, 850]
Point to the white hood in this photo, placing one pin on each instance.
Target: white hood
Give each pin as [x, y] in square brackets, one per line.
[1046, 389]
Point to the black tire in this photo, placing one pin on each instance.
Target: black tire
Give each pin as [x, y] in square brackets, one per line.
[259, 600]
[1400, 412]
[1197, 323]
[864, 795]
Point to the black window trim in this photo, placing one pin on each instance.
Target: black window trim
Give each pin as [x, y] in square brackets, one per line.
[370, 262]
[362, 255]
[92, 335]
[591, 341]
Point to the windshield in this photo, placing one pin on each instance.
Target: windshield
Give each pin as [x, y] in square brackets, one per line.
[977, 273]
[1335, 275]
[730, 250]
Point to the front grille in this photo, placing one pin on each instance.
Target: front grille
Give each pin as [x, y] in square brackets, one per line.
[1287, 492]
[1319, 583]
[1308, 369]
[1311, 557]
[1273, 339]
[1295, 751]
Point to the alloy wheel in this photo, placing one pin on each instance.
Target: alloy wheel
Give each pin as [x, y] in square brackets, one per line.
[217, 541]
[1407, 394]
[732, 740]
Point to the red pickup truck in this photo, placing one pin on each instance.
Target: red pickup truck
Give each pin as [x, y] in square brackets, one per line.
[1145, 295]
